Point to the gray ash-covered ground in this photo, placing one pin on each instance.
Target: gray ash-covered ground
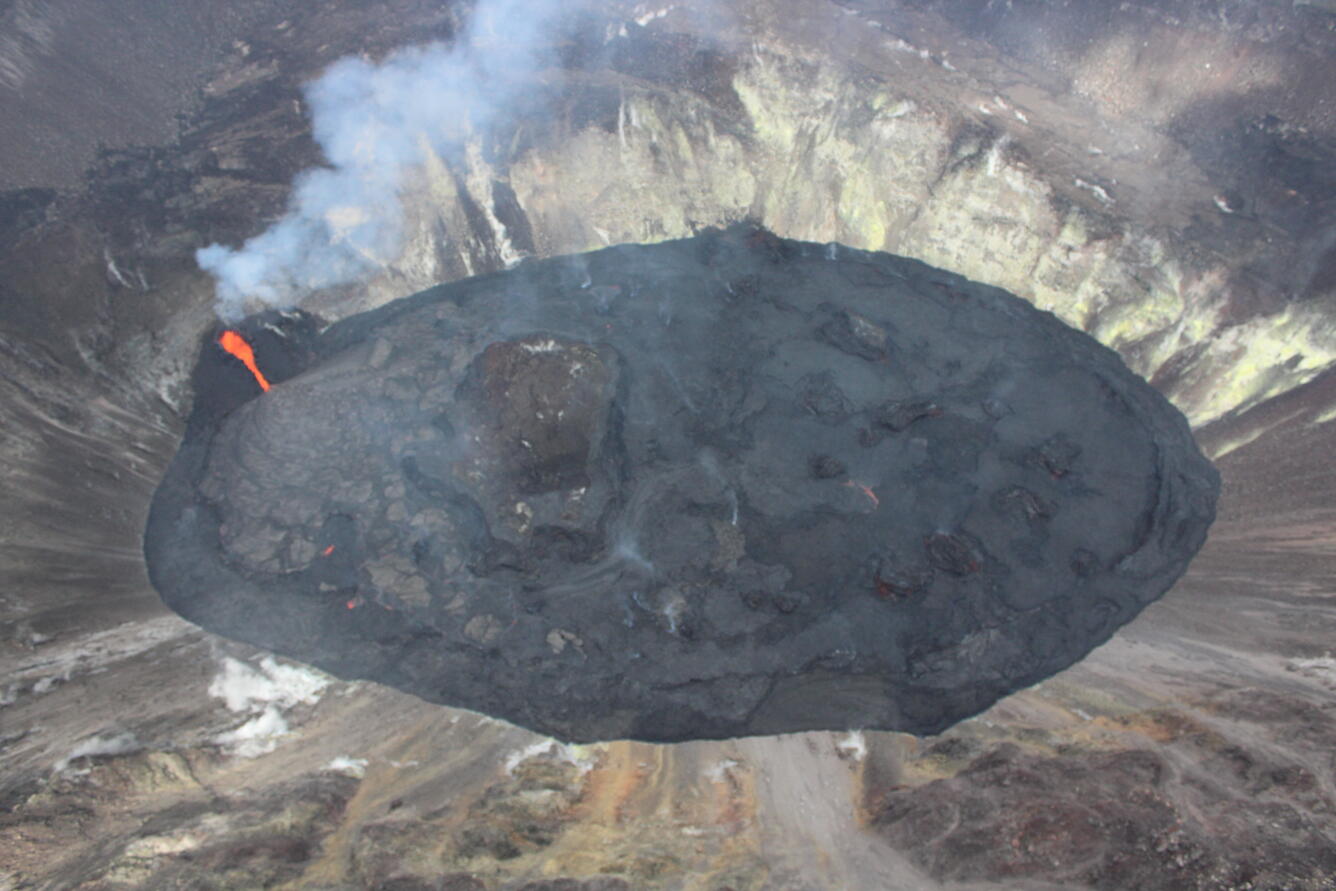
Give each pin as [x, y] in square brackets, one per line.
[721, 486]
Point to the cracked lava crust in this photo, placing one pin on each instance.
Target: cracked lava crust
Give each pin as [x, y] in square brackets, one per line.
[715, 487]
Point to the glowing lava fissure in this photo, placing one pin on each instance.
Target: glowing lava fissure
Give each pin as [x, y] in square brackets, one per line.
[235, 344]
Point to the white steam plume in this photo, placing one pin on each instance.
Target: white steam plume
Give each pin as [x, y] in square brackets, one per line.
[374, 122]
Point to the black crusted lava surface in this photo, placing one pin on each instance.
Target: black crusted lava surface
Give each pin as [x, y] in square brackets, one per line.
[721, 486]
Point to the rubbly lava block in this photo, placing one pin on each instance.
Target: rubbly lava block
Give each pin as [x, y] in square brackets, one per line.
[714, 487]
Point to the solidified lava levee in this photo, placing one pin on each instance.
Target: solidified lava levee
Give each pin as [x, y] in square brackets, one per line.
[726, 485]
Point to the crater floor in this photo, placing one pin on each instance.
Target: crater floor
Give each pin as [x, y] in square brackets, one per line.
[715, 487]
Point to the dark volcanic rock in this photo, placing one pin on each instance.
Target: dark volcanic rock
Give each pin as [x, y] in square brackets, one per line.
[721, 486]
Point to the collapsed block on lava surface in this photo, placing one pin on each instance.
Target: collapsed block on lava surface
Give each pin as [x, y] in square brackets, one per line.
[727, 485]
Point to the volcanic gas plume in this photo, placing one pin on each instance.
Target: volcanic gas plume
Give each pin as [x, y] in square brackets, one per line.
[727, 485]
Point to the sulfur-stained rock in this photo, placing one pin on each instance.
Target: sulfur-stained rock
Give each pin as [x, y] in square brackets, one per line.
[727, 485]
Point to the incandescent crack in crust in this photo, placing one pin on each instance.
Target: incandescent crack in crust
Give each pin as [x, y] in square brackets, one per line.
[727, 485]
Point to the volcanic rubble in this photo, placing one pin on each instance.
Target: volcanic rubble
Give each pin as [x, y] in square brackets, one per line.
[721, 486]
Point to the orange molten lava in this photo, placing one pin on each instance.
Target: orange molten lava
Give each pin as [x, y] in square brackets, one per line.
[235, 344]
[866, 490]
